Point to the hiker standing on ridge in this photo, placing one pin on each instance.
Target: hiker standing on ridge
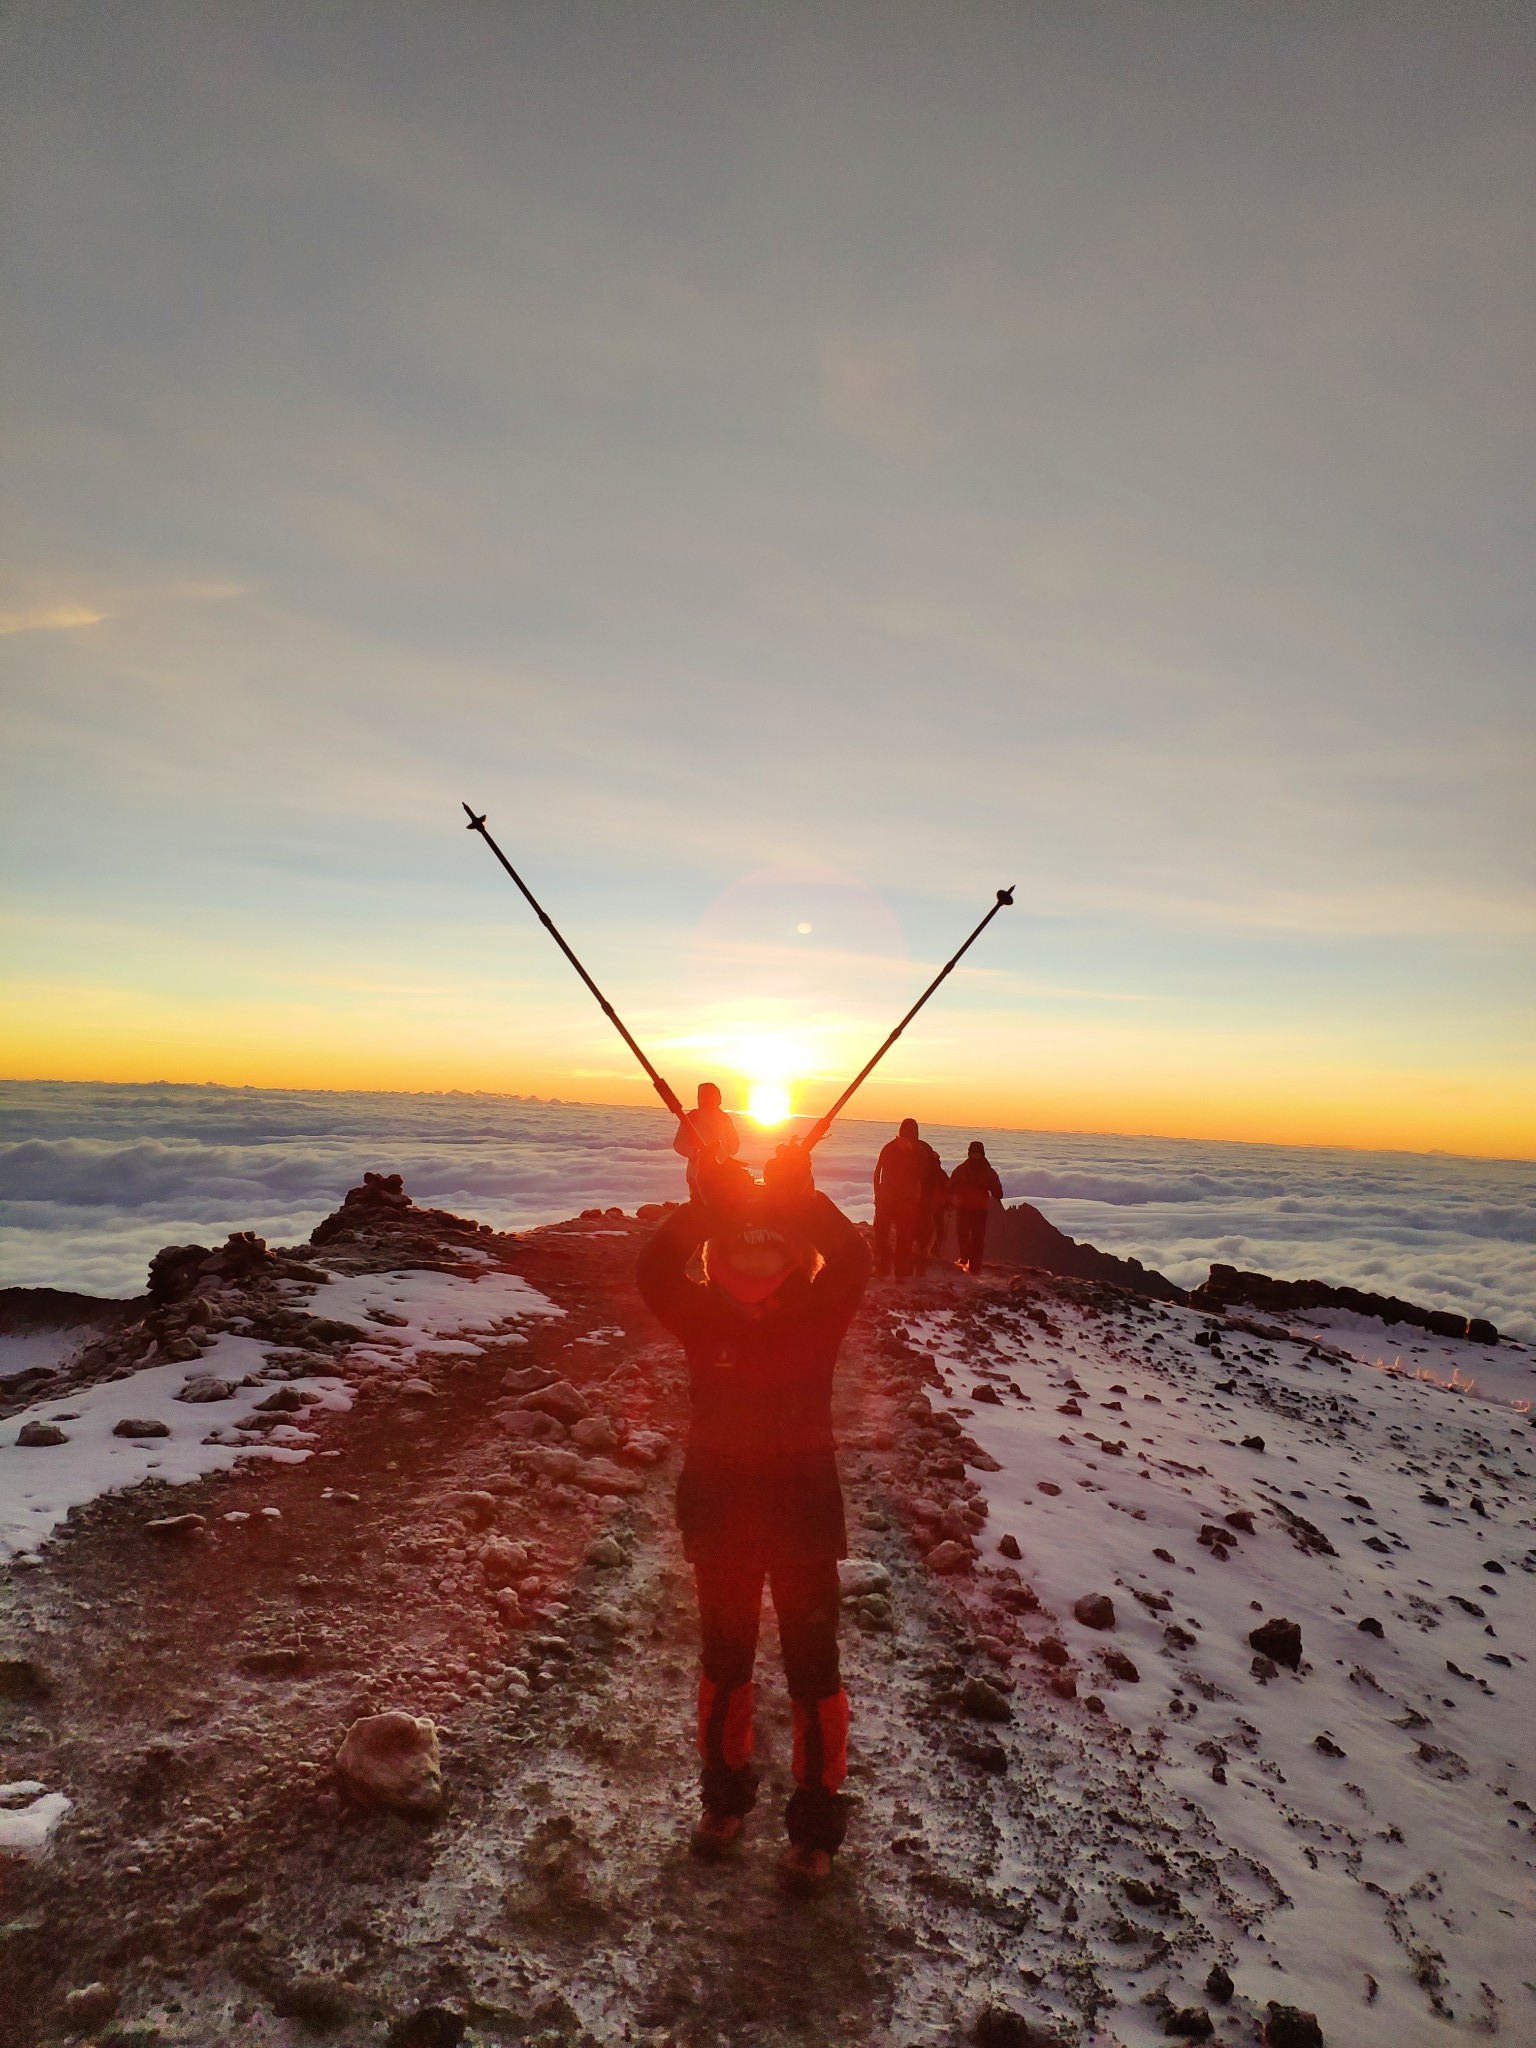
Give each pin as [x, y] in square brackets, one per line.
[759, 1496]
[714, 1136]
[972, 1186]
[904, 1174]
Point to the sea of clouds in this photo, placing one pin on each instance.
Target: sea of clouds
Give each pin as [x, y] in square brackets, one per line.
[95, 1178]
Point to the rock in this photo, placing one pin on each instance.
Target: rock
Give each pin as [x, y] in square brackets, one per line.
[473, 1506]
[998, 2027]
[1368, 1625]
[645, 1447]
[1008, 1546]
[318, 2002]
[554, 1463]
[602, 1476]
[1064, 1685]
[1279, 1639]
[392, 1760]
[990, 1757]
[284, 1661]
[859, 1575]
[1240, 1518]
[948, 1557]
[1289, 2027]
[1326, 1746]
[595, 1433]
[1253, 1443]
[1219, 1985]
[206, 1388]
[40, 1436]
[23, 1678]
[432, 2026]
[1053, 1650]
[502, 1562]
[286, 1401]
[1095, 1610]
[1047, 1486]
[130, 2034]
[529, 1427]
[418, 1389]
[606, 1554]
[983, 1701]
[1192, 2023]
[559, 1399]
[174, 1526]
[523, 1379]
[1118, 1665]
[86, 2009]
[141, 1425]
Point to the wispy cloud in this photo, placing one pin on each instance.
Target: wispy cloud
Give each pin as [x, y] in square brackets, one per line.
[54, 618]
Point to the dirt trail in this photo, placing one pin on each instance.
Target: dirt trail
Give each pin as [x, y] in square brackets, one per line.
[211, 1876]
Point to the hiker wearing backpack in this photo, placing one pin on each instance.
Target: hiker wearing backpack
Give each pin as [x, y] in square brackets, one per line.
[973, 1186]
[710, 1136]
[905, 1175]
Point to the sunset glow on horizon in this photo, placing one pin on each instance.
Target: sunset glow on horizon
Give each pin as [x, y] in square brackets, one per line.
[793, 495]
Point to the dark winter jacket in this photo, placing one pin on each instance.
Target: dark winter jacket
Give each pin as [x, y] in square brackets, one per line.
[907, 1174]
[760, 1469]
[973, 1184]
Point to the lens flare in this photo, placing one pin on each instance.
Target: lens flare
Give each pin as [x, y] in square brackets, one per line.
[768, 1102]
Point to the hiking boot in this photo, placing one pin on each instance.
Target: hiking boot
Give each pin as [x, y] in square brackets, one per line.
[715, 1836]
[805, 1871]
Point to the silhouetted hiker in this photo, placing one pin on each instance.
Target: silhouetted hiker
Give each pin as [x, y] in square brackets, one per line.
[904, 1174]
[715, 1134]
[759, 1496]
[972, 1185]
[930, 1222]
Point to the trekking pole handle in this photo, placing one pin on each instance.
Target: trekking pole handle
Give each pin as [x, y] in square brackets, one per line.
[477, 824]
[824, 1123]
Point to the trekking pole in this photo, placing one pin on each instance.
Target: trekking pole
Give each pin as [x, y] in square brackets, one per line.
[477, 824]
[823, 1124]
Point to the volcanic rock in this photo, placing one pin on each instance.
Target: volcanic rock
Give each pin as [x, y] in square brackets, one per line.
[1008, 1546]
[503, 1562]
[1118, 1665]
[1280, 1640]
[1218, 1985]
[39, 1436]
[206, 1388]
[88, 2007]
[560, 1400]
[1289, 2027]
[1095, 1610]
[948, 1557]
[601, 1476]
[859, 1575]
[983, 1701]
[1193, 2023]
[392, 1760]
[141, 1425]
[594, 1433]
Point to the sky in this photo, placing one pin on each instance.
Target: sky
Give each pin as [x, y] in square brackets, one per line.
[798, 469]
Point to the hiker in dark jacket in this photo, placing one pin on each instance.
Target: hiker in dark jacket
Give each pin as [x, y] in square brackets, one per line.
[972, 1186]
[905, 1174]
[759, 1496]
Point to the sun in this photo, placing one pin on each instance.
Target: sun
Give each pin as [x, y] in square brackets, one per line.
[768, 1102]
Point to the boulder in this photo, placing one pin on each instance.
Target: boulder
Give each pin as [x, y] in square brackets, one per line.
[984, 1702]
[1279, 1639]
[559, 1399]
[141, 1425]
[1219, 1985]
[1008, 1546]
[601, 1476]
[859, 1575]
[503, 1562]
[174, 1526]
[40, 1436]
[392, 1760]
[88, 2007]
[1118, 1665]
[948, 1557]
[1189, 2023]
[998, 2027]
[595, 1434]
[204, 1387]
[605, 1553]
[1095, 1610]
[1287, 2026]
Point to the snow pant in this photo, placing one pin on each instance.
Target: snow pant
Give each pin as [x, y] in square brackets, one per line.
[971, 1230]
[896, 1228]
[805, 1598]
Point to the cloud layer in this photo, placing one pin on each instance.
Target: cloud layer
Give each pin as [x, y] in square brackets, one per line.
[93, 1180]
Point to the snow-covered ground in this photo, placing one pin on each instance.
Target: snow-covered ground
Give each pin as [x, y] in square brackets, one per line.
[1388, 1784]
[421, 1312]
[40, 1347]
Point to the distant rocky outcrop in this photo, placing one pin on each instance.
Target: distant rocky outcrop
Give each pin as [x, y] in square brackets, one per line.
[1020, 1236]
[1228, 1288]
